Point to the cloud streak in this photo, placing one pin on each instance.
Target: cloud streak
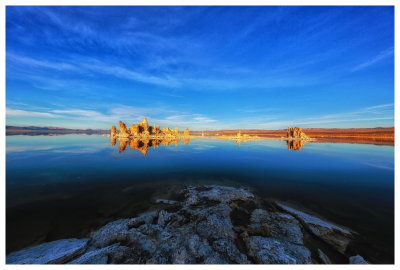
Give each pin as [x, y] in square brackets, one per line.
[380, 57]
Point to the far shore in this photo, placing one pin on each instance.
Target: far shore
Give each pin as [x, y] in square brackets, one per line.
[378, 136]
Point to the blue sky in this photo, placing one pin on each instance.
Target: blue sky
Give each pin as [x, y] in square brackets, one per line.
[200, 67]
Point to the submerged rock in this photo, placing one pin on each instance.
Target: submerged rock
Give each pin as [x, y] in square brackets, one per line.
[358, 259]
[60, 251]
[209, 225]
[99, 256]
[322, 256]
[336, 236]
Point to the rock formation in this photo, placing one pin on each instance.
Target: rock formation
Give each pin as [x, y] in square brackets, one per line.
[123, 132]
[113, 131]
[134, 129]
[143, 129]
[170, 132]
[208, 225]
[186, 133]
[295, 133]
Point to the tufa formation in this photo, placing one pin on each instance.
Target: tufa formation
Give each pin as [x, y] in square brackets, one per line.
[296, 133]
[143, 129]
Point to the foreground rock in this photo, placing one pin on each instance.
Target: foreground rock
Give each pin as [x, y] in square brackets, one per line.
[60, 251]
[332, 234]
[357, 260]
[208, 225]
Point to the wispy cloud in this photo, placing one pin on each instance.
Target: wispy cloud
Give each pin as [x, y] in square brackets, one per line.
[13, 112]
[196, 121]
[124, 73]
[128, 114]
[367, 114]
[37, 63]
[85, 66]
[381, 56]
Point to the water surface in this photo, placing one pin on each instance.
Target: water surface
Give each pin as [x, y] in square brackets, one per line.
[65, 186]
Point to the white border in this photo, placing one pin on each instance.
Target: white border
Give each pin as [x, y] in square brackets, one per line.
[177, 2]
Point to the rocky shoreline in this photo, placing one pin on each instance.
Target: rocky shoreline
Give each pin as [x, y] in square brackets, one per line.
[205, 224]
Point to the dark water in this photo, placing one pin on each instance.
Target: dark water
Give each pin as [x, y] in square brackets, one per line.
[65, 186]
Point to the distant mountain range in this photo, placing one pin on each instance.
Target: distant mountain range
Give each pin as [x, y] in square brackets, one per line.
[32, 130]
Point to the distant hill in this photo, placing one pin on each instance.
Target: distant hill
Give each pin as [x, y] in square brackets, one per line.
[32, 130]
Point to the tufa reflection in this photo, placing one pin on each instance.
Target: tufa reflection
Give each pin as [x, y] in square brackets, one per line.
[143, 144]
[295, 144]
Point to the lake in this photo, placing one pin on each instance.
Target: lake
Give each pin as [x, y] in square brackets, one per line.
[65, 186]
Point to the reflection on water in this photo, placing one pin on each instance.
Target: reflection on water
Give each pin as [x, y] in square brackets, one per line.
[65, 186]
[143, 145]
[295, 144]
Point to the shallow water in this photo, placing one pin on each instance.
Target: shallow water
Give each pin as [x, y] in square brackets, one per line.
[64, 186]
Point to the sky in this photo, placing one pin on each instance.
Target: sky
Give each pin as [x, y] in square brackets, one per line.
[200, 67]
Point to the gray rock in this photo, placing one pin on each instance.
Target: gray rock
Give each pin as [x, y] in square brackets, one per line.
[171, 202]
[214, 258]
[215, 227]
[112, 232]
[336, 236]
[163, 217]
[98, 256]
[274, 251]
[182, 256]
[60, 251]
[198, 247]
[192, 197]
[143, 237]
[278, 225]
[142, 219]
[259, 216]
[288, 228]
[157, 258]
[358, 259]
[324, 259]
[229, 250]
[225, 194]
[201, 231]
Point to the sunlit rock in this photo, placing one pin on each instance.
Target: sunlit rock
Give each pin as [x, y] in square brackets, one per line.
[134, 130]
[113, 132]
[123, 132]
[186, 132]
[296, 133]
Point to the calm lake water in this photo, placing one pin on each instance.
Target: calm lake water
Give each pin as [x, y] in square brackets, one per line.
[65, 186]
